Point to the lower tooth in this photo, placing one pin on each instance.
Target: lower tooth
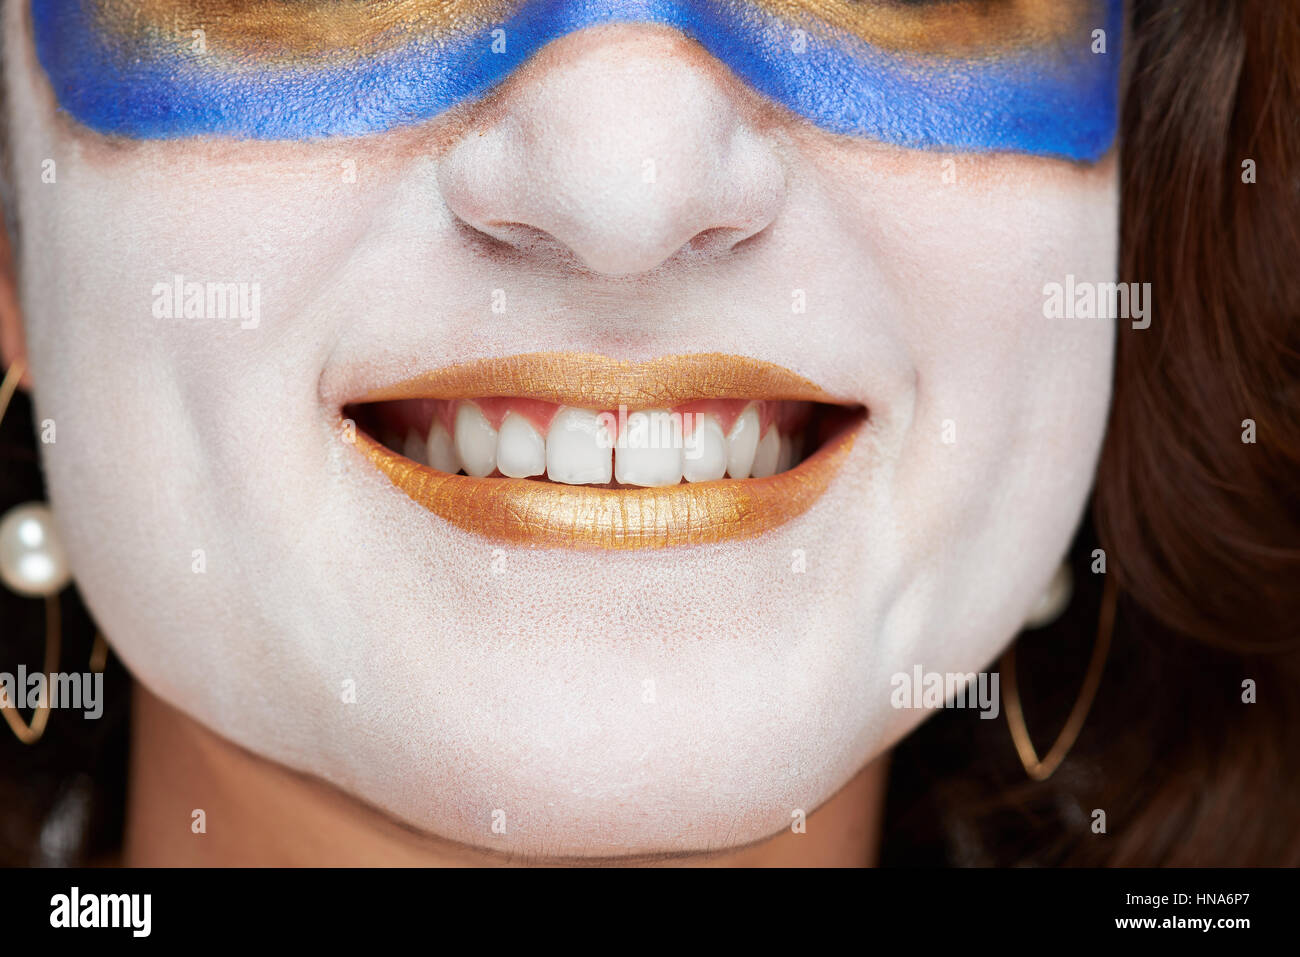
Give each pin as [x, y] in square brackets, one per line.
[476, 441]
[767, 455]
[441, 450]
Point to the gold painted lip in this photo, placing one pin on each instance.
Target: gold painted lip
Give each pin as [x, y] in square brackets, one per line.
[552, 515]
[598, 382]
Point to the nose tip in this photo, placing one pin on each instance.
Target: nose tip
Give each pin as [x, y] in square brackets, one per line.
[623, 152]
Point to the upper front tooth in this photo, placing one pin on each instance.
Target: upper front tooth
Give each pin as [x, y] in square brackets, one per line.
[579, 449]
[742, 443]
[414, 448]
[441, 450]
[650, 450]
[476, 441]
[521, 451]
[705, 458]
[767, 454]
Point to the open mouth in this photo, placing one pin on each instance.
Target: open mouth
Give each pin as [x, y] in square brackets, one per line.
[566, 450]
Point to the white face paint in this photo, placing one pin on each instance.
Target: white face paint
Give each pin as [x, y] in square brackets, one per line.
[250, 568]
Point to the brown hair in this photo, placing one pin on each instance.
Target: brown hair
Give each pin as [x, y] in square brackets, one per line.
[1200, 528]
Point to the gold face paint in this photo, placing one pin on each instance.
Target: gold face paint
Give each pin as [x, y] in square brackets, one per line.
[312, 29]
[325, 28]
[955, 28]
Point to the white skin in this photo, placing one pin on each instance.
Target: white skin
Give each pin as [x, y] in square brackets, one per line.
[492, 677]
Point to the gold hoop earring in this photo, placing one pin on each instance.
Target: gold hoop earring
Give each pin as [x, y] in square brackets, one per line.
[32, 564]
[1041, 770]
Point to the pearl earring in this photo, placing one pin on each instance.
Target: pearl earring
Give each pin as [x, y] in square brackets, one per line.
[33, 563]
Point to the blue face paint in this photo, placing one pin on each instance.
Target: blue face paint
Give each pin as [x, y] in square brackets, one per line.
[1060, 100]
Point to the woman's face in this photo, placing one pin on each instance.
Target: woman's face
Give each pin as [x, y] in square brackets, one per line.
[666, 670]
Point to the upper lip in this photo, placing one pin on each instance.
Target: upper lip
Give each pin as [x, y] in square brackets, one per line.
[600, 382]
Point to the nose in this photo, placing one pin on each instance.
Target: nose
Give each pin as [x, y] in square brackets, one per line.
[623, 146]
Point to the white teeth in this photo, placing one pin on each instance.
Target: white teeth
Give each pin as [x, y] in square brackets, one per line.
[582, 448]
[476, 441]
[705, 458]
[521, 451]
[579, 449]
[742, 443]
[650, 450]
[414, 448]
[765, 457]
[785, 459]
[441, 450]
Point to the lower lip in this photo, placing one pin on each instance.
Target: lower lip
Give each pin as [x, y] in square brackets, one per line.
[549, 515]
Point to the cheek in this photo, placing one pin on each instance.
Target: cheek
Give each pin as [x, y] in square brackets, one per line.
[127, 225]
[1007, 399]
[988, 451]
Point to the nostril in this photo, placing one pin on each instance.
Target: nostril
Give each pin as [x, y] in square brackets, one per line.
[509, 237]
[721, 239]
[613, 256]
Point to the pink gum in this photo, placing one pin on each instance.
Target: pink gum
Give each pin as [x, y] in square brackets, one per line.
[419, 414]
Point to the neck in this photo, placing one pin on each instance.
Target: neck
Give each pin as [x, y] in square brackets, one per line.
[262, 814]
